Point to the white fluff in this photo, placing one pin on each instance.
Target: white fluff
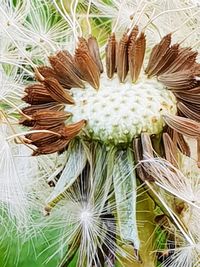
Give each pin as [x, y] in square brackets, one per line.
[12, 195]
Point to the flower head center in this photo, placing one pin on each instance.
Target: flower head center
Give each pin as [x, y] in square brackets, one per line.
[118, 112]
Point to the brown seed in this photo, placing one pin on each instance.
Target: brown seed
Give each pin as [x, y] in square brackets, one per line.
[57, 92]
[111, 56]
[178, 80]
[50, 118]
[137, 147]
[70, 131]
[65, 70]
[46, 72]
[185, 60]
[191, 106]
[146, 145]
[86, 65]
[53, 147]
[66, 56]
[37, 94]
[166, 60]
[30, 110]
[157, 53]
[122, 58]
[48, 143]
[94, 51]
[40, 138]
[71, 60]
[183, 126]
[35, 108]
[136, 52]
[188, 112]
[192, 96]
[134, 33]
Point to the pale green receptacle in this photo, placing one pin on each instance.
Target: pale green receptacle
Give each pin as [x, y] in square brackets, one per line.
[118, 112]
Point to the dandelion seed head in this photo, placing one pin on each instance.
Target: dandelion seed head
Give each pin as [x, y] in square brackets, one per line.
[96, 209]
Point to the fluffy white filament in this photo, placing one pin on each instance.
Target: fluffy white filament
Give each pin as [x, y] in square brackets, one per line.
[13, 197]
